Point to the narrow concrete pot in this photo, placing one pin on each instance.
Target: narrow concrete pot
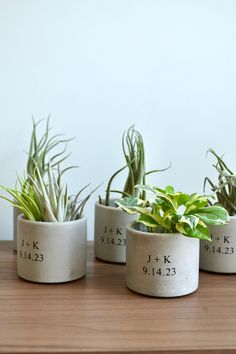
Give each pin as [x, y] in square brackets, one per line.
[219, 255]
[51, 252]
[16, 213]
[110, 232]
[161, 265]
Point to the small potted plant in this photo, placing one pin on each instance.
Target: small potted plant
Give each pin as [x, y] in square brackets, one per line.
[111, 221]
[39, 150]
[161, 261]
[219, 255]
[51, 236]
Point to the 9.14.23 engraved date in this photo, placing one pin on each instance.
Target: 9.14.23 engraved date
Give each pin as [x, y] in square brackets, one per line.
[165, 272]
[35, 257]
[113, 241]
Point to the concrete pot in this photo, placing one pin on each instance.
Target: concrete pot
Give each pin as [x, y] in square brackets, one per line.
[16, 213]
[161, 265]
[219, 255]
[110, 233]
[51, 252]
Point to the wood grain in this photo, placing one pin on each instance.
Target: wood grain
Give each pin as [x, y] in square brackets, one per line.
[99, 314]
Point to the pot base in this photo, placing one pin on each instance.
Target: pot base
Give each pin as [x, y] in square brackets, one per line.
[51, 282]
[108, 261]
[162, 296]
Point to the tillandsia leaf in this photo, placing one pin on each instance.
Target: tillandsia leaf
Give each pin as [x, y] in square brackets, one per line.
[225, 190]
[134, 154]
[108, 191]
[39, 150]
[61, 160]
[43, 196]
[44, 137]
[51, 188]
[119, 192]
[220, 160]
[173, 212]
[53, 143]
[76, 209]
[60, 206]
[161, 170]
[25, 202]
[35, 147]
[67, 169]
[135, 159]
[59, 154]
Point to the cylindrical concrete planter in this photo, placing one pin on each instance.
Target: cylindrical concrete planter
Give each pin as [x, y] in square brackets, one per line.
[51, 252]
[161, 265]
[219, 255]
[16, 213]
[110, 233]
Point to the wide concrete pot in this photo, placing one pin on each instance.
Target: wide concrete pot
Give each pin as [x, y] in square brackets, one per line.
[161, 265]
[51, 252]
[16, 213]
[219, 255]
[110, 232]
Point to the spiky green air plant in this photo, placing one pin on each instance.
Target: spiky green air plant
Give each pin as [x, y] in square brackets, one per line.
[40, 195]
[133, 150]
[40, 149]
[225, 190]
[44, 198]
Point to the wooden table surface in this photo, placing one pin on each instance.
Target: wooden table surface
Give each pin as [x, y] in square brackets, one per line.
[99, 314]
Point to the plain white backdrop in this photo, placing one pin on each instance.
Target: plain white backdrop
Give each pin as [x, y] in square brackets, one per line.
[98, 66]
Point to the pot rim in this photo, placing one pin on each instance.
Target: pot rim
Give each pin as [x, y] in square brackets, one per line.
[50, 223]
[150, 234]
[107, 207]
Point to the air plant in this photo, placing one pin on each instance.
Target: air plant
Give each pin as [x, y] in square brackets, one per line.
[40, 148]
[44, 198]
[225, 190]
[133, 150]
[40, 194]
[167, 211]
[38, 155]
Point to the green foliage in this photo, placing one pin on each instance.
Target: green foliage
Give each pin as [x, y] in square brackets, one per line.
[226, 188]
[168, 211]
[44, 198]
[24, 198]
[40, 195]
[133, 150]
[40, 148]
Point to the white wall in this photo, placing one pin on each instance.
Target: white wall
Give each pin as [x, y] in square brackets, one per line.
[100, 65]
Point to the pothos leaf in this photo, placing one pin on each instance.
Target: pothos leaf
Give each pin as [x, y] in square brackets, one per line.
[199, 231]
[213, 215]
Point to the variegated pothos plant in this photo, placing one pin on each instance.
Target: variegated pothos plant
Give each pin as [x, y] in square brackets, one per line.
[167, 211]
